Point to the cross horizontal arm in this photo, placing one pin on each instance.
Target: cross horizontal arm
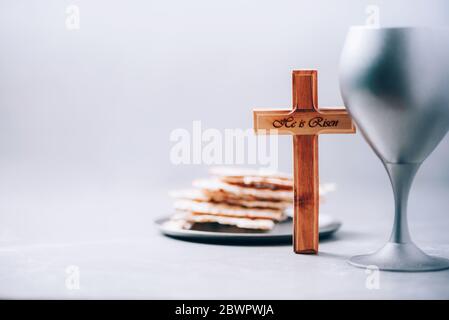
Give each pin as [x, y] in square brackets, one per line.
[302, 122]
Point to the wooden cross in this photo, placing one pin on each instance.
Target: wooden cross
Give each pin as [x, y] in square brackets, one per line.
[305, 122]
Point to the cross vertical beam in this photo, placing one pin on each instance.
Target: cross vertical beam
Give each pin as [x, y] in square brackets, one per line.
[305, 168]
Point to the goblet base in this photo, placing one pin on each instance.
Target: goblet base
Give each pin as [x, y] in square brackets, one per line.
[400, 257]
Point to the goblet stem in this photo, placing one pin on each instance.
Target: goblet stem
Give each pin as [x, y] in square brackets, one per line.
[400, 253]
[401, 177]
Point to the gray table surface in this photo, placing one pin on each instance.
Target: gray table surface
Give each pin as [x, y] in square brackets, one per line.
[109, 237]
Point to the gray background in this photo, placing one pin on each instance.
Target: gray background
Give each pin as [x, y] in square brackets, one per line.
[85, 115]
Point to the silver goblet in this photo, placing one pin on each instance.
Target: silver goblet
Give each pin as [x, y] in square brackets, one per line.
[395, 84]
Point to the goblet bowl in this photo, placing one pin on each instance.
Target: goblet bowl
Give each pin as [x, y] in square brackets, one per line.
[395, 84]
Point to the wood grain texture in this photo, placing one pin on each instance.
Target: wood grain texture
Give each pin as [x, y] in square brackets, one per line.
[305, 122]
[287, 122]
[306, 194]
[305, 164]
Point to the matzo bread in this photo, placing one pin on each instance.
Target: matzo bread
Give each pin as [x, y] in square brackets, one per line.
[245, 223]
[246, 172]
[220, 209]
[221, 197]
[259, 182]
[240, 192]
[261, 178]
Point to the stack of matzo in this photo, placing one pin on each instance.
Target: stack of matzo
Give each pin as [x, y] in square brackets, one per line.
[243, 198]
